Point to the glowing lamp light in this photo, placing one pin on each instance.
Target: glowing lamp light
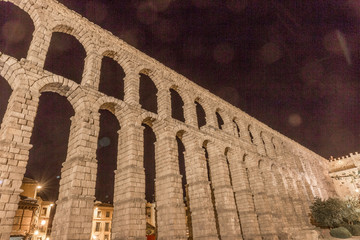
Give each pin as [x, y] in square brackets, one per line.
[94, 236]
[51, 205]
[39, 187]
[36, 232]
[357, 190]
[1, 181]
[43, 222]
[47, 238]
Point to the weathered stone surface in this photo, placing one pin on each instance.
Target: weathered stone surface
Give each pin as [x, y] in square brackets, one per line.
[260, 182]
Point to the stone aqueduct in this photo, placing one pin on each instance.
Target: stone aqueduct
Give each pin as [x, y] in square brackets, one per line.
[262, 181]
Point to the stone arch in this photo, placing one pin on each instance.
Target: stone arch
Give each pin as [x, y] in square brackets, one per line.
[275, 146]
[118, 108]
[236, 127]
[147, 118]
[50, 138]
[4, 97]
[31, 9]
[309, 190]
[13, 72]
[111, 77]
[73, 27]
[65, 44]
[264, 165]
[65, 88]
[177, 104]
[265, 146]
[209, 111]
[200, 113]
[107, 152]
[182, 92]
[120, 56]
[149, 158]
[19, 22]
[228, 124]
[209, 173]
[251, 133]
[149, 89]
[152, 74]
[220, 120]
[183, 172]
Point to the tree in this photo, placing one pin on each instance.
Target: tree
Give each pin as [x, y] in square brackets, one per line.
[327, 213]
[334, 212]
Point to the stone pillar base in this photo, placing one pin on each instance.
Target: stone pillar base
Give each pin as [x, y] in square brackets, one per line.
[238, 237]
[129, 238]
[308, 234]
[270, 237]
[253, 237]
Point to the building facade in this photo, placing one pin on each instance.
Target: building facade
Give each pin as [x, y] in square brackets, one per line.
[345, 174]
[101, 225]
[32, 217]
[245, 180]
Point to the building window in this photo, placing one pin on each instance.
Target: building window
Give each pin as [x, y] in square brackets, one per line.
[107, 214]
[44, 211]
[107, 227]
[148, 212]
[98, 214]
[106, 237]
[97, 227]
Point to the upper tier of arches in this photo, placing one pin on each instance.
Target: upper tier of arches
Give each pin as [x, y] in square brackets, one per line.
[98, 43]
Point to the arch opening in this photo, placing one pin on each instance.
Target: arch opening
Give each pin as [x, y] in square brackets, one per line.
[16, 28]
[273, 143]
[237, 129]
[177, 106]
[148, 91]
[201, 116]
[5, 93]
[250, 134]
[220, 121]
[65, 56]
[50, 142]
[263, 142]
[112, 78]
[231, 184]
[150, 176]
[106, 154]
[181, 159]
[212, 189]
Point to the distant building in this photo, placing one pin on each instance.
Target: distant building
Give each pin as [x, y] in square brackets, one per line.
[102, 217]
[33, 214]
[150, 221]
[345, 174]
[101, 225]
[44, 219]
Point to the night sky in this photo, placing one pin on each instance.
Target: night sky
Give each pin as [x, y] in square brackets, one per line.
[293, 65]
